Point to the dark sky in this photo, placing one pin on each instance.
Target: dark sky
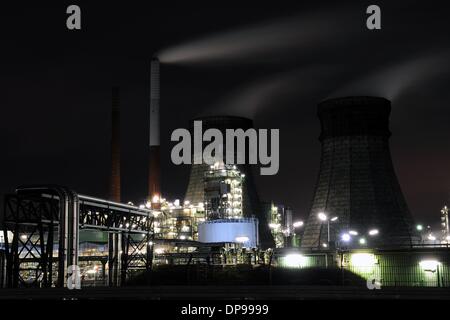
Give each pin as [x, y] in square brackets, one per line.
[272, 63]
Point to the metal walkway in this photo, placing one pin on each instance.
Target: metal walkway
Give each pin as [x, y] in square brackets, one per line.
[41, 216]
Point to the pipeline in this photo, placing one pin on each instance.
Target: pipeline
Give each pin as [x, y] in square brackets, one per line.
[68, 225]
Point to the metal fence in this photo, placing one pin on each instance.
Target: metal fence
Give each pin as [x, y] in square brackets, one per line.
[2, 268]
[403, 269]
[411, 268]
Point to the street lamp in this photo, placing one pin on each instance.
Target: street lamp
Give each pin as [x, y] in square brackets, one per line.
[346, 237]
[298, 224]
[373, 232]
[323, 217]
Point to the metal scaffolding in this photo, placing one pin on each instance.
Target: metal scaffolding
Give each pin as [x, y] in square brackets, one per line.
[41, 217]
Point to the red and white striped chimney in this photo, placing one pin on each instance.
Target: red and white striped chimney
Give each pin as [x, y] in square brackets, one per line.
[154, 185]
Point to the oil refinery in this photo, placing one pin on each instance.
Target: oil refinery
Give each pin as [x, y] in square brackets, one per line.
[242, 152]
[359, 220]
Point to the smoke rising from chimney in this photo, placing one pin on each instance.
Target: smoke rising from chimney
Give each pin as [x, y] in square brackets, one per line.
[393, 80]
[266, 40]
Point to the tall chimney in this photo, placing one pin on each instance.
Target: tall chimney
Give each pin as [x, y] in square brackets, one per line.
[154, 188]
[114, 188]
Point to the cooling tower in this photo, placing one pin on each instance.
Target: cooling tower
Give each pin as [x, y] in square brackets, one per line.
[154, 188]
[251, 204]
[357, 182]
[114, 188]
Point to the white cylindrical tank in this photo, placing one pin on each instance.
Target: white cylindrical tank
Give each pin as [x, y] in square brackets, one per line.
[243, 231]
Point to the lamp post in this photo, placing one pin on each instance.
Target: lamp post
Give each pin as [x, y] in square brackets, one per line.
[296, 225]
[346, 237]
[323, 217]
[419, 229]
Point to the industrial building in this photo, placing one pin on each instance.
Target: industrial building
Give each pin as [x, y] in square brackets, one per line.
[251, 203]
[359, 220]
[281, 224]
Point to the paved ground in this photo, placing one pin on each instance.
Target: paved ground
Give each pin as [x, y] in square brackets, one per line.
[227, 292]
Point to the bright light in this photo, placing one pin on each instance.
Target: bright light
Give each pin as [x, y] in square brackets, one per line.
[362, 241]
[184, 228]
[298, 224]
[182, 237]
[156, 213]
[322, 216]
[274, 225]
[362, 260]
[176, 203]
[447, 238]
[23, 237]
[429, 265]
[353, 233]
[324, 245]
[159, 250]
[346, 237]
[431, 237]
[242, 239]
[294, 260]
[373, 232]
[155, 198]
[334, 219]
[419, 227]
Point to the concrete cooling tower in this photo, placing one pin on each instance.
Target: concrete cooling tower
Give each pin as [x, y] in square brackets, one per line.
[196, 187]
[357, 182]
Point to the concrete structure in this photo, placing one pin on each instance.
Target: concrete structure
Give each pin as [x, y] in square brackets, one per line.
[357, 182]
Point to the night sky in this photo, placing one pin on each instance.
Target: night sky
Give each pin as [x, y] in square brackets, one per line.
[271, 63]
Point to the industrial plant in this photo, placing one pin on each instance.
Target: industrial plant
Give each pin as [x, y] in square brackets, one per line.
[359, 222]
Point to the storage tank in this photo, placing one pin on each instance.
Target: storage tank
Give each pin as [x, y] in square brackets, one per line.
[243, 231]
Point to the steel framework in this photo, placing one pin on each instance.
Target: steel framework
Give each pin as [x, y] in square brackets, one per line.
[40, 217]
